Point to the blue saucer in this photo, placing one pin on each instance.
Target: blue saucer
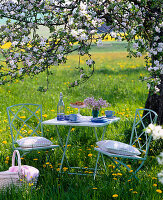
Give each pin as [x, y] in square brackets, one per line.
[99, 120]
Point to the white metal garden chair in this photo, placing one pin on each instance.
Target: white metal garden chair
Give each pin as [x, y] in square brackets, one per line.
[26, 128]
[119, 153]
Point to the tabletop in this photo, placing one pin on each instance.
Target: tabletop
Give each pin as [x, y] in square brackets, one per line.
[84, 121]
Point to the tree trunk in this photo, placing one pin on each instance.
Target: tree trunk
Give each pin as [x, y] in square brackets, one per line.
[155, 102]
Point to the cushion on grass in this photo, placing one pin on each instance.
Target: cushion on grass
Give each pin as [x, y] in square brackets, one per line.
[30, 142]
[116, 147]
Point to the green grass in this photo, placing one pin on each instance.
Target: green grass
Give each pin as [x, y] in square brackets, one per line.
[116, 79]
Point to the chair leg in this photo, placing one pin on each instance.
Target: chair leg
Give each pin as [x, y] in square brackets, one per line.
[95, 171]
[134, 173]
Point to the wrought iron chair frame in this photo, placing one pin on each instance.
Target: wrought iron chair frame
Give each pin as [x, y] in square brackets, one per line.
[25, 105]
[114, 157]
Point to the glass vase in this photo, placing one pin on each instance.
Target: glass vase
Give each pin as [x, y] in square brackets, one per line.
[95, 113]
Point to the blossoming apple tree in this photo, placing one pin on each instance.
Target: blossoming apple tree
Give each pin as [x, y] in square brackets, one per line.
[72, 26]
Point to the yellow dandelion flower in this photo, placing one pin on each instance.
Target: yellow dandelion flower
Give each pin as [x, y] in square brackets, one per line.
[6, 161]
[94, 188]
[131, 171]
[154, 178]
[30, 131]
[73, 129]
[22, 158]
[22, 117]
[102, 112]
[21, 180]
[47, 163]
[59, 163]
[90, 155]
[129, 180]
[114, 178]
[52, 110]
[119, 174]
[155, 185]
[159, 191]
[134, 192]
[58, 169]
[130, 189]
[7, 158]
[45, 115]
[69, 145]
[90, 172]
[35, 159]
[44, 166]
[65, 169]
[4, 142]
[115, 195]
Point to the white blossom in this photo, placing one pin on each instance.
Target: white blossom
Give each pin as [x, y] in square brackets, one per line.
[113, 34]
[157, 29]
[99, 43]
[89, 62]
[135, 45]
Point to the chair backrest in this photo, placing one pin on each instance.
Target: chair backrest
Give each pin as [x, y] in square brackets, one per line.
[25, 120]
[139, 137]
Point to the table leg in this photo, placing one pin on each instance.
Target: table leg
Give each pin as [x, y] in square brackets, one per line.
[64, 148]
[95, 170]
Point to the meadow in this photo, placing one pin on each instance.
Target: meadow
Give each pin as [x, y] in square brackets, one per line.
[116, 79]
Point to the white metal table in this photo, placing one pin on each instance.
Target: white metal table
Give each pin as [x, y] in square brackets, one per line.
[85, 121]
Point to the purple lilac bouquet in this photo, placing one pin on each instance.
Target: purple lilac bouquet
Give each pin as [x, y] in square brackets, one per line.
[91, 102]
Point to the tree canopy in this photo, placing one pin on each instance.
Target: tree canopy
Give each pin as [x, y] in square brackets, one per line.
[73, 26]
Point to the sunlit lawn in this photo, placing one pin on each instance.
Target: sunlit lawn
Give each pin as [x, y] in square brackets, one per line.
[116, 79]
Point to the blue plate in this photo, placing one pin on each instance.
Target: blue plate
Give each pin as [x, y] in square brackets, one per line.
[99, 120]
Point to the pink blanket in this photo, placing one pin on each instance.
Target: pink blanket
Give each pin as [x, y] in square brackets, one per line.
[29, 172]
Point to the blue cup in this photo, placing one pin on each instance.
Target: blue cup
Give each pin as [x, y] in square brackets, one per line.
[109, 113]
[73, 117]
[67, 117]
